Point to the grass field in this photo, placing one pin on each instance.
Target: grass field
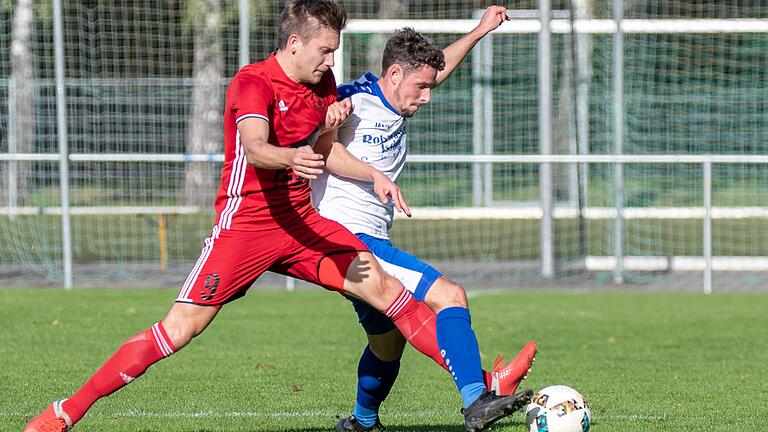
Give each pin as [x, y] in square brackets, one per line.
[286, 361]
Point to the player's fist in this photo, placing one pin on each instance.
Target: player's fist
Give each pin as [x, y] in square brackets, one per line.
[337, 113]
[307, 164]
[493, 17]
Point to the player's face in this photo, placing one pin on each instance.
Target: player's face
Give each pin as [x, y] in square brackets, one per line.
[415, 90]
[315, 55]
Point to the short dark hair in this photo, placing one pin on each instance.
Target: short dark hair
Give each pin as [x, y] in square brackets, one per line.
[304, 17]
[411, 50]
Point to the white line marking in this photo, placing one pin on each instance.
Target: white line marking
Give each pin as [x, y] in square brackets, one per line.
[319, 414]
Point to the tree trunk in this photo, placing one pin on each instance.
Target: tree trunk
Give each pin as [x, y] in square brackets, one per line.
[22, 100]
[563, 130]
[583, 10]
[395, 9]
[567, 135]
[205, 129]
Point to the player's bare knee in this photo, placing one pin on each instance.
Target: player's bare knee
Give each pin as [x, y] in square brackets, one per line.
[392, 287]
[386, 290]
[444, 294]
[381, 290]
[179, 334]
[454, 296]
[185, 321]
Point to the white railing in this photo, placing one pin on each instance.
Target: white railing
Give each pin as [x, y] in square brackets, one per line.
[706, 212]
[593, 26]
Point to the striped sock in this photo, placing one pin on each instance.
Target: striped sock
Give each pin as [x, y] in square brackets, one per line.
[128, 363]
[416, 322]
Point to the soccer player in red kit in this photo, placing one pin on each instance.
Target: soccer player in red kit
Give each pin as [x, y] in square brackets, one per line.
[265, 220]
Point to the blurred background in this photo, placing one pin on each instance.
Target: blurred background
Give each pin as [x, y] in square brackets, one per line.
[111, 179]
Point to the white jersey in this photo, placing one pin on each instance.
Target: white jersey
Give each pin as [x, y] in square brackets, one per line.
[375, 133]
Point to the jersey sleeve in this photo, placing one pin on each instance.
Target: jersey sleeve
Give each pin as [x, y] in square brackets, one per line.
[251, 97]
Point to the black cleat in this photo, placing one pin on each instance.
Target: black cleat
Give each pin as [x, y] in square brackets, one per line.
[489, 408]
[350, 424]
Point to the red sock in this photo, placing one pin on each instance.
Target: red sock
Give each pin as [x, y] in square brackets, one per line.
[418, 324]
[128, 363]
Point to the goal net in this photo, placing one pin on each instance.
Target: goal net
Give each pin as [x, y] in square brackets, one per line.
[692, 84]
[139, 82]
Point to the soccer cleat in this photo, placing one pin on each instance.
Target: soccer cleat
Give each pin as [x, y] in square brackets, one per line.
[350, 424]
[506, 378]
[489, 408]
[53, 419]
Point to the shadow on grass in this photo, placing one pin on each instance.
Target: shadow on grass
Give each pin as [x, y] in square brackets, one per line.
[515, 424]
[389, 428]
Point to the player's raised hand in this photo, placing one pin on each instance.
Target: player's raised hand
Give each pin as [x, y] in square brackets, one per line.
[493, 17]
[386, 189]
[337, 113]
[306, 163]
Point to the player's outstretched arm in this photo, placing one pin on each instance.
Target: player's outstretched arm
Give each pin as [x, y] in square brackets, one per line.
[342, 163]
[254, 135]
[454, 53]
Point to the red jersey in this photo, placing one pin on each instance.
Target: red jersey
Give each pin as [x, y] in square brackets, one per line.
[251, 198]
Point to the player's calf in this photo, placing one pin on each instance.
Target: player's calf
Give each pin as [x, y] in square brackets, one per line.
[387, 346]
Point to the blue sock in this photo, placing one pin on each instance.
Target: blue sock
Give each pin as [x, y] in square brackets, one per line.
[458, 345]
[375, 378]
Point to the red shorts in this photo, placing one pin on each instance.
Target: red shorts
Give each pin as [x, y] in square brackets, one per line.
[231, 261]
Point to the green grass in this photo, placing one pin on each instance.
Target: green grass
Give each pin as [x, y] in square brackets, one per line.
[280, 361]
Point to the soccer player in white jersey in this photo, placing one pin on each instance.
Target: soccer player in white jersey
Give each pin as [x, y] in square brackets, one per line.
[363, 196]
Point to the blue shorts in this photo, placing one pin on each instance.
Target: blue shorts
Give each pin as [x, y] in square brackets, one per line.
[416, 275]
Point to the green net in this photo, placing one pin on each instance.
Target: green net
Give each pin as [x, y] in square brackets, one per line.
[131, 87]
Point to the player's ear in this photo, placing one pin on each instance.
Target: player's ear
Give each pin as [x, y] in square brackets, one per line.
[293, 43]
[395, 73]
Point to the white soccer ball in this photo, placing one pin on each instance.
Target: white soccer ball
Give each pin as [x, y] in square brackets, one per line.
[558, 408]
